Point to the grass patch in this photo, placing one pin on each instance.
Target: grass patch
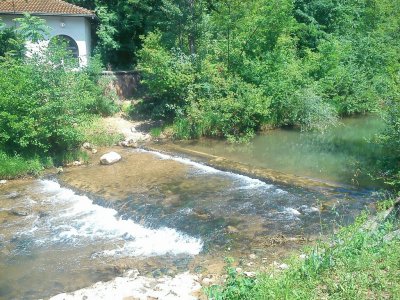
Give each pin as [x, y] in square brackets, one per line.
[385, 204]
[17, 166]
[156, 131]
[94, 132]
[355, 264]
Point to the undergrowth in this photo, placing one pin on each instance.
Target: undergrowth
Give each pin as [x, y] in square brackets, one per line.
[95, 133]
[12, 166]
[356, 263]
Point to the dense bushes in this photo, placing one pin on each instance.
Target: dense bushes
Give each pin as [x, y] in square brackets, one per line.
[11, 43]
[41, 104]
[43, 100]
[200, 95]
[281, 63]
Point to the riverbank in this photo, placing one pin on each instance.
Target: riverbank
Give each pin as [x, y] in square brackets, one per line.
[96, 133]
[361, 261]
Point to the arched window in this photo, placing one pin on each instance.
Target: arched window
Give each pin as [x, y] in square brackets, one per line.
[69, 42]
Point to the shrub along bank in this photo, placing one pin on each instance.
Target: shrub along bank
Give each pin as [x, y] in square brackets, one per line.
[226, 68]
[42, 103]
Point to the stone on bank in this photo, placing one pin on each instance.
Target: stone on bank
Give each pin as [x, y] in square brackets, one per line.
[110, 158]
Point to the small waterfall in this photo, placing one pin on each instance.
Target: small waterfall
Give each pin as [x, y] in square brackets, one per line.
[81, 221]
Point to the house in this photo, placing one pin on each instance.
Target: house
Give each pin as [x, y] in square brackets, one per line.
[66, 21]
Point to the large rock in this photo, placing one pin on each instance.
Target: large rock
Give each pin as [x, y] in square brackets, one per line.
[132, 286]
[110, 158]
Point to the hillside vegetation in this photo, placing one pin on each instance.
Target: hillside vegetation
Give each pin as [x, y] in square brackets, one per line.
[228, 68]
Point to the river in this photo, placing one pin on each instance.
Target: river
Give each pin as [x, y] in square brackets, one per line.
[166, 214]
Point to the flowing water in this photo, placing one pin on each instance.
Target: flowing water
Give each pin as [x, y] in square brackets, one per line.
[342, 154]
[164, 214]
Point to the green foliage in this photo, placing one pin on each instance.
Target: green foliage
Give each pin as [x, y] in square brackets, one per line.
[106, 30]
[223, 107]
[355, 264]
[385, 204]
[156, 131]
[236, 286]
[42, 102]
[32, 28]
[12, 166]
[11, 43]
[200, 95]
[390, 163]
[94, 132]
[166, 74]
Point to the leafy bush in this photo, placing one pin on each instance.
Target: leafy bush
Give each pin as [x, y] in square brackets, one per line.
[11, 43]
[201, 97]
[166, 74]
[390, 162]
[41, 104]
[237, 286]
[223, 107]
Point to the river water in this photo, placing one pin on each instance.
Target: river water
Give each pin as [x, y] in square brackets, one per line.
[342, 154]
[166, 214]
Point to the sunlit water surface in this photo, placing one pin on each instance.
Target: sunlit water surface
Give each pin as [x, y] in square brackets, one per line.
[166, 214]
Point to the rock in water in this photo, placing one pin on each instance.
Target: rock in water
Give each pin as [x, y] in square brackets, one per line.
[110, 158]
[19, 212]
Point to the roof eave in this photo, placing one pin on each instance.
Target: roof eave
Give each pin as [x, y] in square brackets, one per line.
[48, 14]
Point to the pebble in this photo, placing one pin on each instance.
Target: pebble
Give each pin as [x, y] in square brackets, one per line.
[207, 281]
[87, 146]
[3, 181]
[232, 229]
[13, 195]
[128, 143]
[302, 256]
[239, 270]
[19, 212]
[252, 256]
[283, 266]
[250, 274]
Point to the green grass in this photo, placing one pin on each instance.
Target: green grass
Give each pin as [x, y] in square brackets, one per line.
[156, 131]
[95, 133]
[355, 264]
[17, 166]
[92, 131]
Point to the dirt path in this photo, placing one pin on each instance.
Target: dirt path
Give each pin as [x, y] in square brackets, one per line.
[133, 131]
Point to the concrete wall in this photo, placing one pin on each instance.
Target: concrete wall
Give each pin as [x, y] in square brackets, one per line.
[78, 28]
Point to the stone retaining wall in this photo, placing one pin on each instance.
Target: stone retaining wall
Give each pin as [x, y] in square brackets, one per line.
[125, 83]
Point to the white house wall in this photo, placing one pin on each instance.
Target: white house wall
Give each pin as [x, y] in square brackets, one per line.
[78, 28]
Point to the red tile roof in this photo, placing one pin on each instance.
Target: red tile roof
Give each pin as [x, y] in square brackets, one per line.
[42, 7]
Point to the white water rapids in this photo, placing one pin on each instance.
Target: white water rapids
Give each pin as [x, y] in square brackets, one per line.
[80, 221]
